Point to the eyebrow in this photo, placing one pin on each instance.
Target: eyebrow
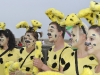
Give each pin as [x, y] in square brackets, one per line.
[50, 29]
[52, 26]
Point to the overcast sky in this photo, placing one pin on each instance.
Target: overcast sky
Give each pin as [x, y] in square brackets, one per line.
[14, 11]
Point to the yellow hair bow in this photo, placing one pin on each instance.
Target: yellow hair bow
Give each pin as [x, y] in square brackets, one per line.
[35, 24]
[91, 14]
[55, 15]
[2, 25]
[72, 20]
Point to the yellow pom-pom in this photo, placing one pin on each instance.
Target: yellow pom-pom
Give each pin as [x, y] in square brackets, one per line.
[91, 18]
[84, 12]
[16, 66]
[87, 71]
[59, 14]
[72, 20]
[94, 6]
[22, 24]
[36, 24]
[38, 47]
[7, 64]
[49, 11]
[35, 70]
[2, 25]
[55, 15]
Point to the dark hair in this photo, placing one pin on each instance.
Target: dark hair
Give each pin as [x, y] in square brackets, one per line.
[34, 33]
[95, 27]
[59, 28]
[8, 34]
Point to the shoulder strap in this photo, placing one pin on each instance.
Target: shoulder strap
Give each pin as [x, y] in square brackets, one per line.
[26, 58]
[4, 53]
[76, 63]
[60, 56]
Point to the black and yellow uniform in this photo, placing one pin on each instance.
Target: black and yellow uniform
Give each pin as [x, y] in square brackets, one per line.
[53, 57]
[70, 66]
[27, 67]
[9, 55]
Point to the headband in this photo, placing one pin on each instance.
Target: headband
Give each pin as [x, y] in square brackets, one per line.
[91, 14]
[55, 15]
[72, 20]
[35, 24]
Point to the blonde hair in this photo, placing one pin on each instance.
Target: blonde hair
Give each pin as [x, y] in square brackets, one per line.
[80, 29]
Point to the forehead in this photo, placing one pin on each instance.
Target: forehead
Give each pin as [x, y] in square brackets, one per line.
[52, 26]
[28, 34]
[92, 32]
[74, 30]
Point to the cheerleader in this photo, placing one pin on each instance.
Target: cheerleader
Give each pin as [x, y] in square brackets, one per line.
[8, 52]
[31, 50]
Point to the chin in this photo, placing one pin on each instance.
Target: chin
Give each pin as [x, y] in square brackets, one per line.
[50, 40]
[74, 46]
[90, 51]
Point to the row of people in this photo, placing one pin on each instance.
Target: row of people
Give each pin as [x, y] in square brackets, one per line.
[60, 50]
[61, 57]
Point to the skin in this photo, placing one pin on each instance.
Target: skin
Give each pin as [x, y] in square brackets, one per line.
[93, 37]
[29, 40]
[54, 33]
[78, 39]
[4, 41]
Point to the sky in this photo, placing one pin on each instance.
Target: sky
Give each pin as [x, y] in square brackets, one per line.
[14, 11]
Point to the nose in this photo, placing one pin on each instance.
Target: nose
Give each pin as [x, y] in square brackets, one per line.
[70, 39]
[87, 43]
[27, 41]
[49, 34]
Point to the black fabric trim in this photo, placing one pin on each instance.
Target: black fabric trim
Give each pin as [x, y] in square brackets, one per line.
[26, 58]
[76, 64]
[60, 56]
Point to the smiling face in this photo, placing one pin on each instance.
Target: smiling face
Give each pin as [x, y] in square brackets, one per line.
[3, 40]
[93, 41]
[29, 40]
[77, 37]
[53, 33]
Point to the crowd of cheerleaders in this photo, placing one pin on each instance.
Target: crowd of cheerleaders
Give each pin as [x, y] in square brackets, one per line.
[81, 58]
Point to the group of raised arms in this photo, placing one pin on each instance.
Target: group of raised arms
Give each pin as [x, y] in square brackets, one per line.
[81, 57]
